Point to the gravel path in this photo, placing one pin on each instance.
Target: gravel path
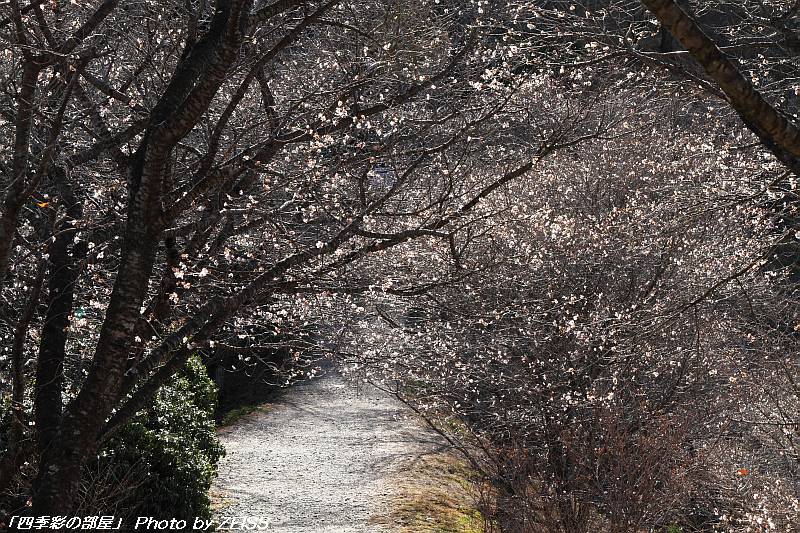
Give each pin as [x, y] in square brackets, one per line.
[320, 459]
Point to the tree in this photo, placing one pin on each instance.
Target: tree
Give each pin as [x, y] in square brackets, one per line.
[181, 167]
[604, 349]
[544, 200]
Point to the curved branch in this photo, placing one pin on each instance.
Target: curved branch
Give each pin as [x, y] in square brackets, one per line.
[776, 130]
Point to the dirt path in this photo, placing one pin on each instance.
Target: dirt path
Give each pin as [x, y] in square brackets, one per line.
[321, 459]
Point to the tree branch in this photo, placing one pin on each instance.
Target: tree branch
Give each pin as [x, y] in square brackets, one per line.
[776, 130]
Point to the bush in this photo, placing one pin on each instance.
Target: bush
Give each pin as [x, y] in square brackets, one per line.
[167, 455]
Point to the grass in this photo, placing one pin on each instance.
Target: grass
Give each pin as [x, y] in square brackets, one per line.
[433, 496]
[240, 413]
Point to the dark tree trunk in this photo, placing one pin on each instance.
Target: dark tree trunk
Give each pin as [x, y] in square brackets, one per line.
[84, 418]
[63, 275]
[17, 452]
[194, 84]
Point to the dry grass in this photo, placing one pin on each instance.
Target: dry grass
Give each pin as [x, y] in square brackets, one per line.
[433, 495]
[219, 499]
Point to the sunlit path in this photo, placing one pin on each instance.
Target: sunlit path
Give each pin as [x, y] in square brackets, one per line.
[319, 459]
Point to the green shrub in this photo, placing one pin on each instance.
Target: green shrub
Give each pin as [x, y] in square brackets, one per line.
[168, 454]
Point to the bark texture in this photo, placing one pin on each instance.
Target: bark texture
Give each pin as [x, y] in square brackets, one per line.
[194, 84]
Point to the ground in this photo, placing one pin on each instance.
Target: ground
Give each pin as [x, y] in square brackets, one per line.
[333, 456]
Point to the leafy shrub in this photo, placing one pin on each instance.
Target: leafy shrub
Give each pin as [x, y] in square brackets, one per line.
[168, 454]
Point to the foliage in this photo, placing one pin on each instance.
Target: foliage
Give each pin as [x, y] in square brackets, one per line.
[173, 447]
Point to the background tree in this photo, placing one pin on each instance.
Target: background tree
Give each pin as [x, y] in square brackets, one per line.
[606, 355]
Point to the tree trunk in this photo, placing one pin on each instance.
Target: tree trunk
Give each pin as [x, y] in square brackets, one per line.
[193, 86]
[52, 349]
[17, 453]
[84, 417]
